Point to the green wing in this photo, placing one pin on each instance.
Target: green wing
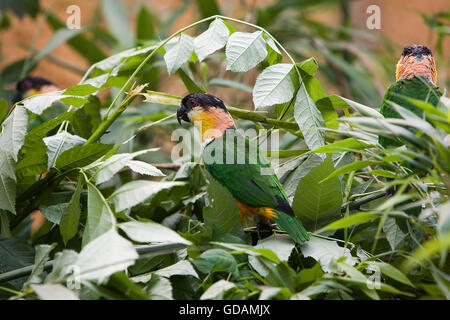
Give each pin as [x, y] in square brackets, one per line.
[236, 163]
[417, 88]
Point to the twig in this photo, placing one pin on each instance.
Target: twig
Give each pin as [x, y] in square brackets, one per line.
[357, 203]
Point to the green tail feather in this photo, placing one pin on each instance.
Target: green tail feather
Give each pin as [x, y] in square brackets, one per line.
[292, 226]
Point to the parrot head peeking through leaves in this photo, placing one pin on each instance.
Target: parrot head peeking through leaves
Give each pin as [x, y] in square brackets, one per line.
[248, 176]
[416, 77]
[30, 86]
[416, 60]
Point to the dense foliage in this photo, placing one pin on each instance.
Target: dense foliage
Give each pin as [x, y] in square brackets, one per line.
[124, 221]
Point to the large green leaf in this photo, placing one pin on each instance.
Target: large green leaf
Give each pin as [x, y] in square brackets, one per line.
[105, 255]
[211, 40]
[102, 171]
[178, 51]
[100, 217]
[134, 192]
[216, 260]
[16, 253]
[68, 225]
[34, 160]
[151, 232]
[222, 211]
[81, 156]
[326, 251]
[42, 256]
[245, 50]
[59, 143]
[216, 291]
[14, 130]
[274, 86]
[7, 182]
[315, 203]
[309, 119]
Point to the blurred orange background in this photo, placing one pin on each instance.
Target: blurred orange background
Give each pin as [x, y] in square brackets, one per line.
[400, 22]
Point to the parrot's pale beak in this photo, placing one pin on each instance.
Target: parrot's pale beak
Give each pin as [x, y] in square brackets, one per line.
[182, 114]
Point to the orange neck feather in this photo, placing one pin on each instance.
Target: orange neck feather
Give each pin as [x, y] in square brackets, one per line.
[211, 122]
[409, 66]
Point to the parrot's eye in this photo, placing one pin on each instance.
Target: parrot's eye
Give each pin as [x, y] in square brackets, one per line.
[191, 103]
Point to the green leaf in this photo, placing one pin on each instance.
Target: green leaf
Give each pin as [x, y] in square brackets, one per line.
[208, 8]
[105, 255]
[229, 84]
[383, 173]
[40, 102]
[42, 253]
[151, 232]
[394, 234]
[34, 160]
[81, 156]
[14, 130]
[80, 90]
[315, 203]
[274, 86]
[102, 171]
[134, 192]
[71, 215]
[59, 143]
[211, 40]
[245, 50]
[391, 271]
[100, 217]
[216, 260]
[181, 268]
[354, 166]
[353, 219]
[63, 265]
[59, 37]
[54, 212]
[7, 182]
[309, 66]
[217, 290]
[16, 253]
[116, 19]
[309, 119]
[280, 245]
[222, 211]
[178, 51]
[145, 27]
[190, 83]
[342, 145]
[145, 168]
[159, 288]
[54, 292]
[3, 109]
[326, 251]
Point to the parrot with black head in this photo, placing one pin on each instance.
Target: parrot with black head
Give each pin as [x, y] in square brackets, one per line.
[236, 163]
[416, 78]
[30, 86]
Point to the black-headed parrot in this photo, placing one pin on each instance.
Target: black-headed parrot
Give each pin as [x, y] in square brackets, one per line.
[30, 86]
[416, 78]
[236, 163]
